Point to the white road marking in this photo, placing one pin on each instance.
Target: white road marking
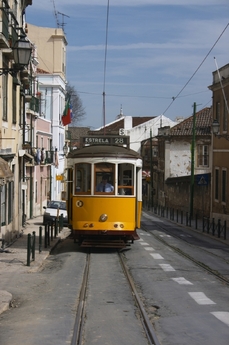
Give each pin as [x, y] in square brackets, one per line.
[167, 267]
[157, 256]
[144, 244]
[164, 235]
[149, 248]
[201, 298]
[140, 240]
[144, 234]
[182, 281]
[222, 316]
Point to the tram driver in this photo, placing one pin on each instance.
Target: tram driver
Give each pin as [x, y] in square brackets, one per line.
[104, 185]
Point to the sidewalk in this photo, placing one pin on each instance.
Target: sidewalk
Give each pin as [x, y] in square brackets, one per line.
[196, 225]
[13, 258]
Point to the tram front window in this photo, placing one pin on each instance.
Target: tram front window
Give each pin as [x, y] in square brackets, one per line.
[104, 178]
[125, 179]
[83, 178]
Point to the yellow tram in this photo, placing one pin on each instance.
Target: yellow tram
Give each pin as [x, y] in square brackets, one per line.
[104, 192]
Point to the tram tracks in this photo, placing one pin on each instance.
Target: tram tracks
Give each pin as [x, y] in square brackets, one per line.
[80, 319]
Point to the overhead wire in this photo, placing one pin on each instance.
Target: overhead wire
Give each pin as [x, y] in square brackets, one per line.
[174, 98]
[105, 65]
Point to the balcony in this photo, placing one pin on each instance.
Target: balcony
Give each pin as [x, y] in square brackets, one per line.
[67, 135]
[34, 104]
[49, 156]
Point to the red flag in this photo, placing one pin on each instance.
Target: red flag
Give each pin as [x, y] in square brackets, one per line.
[66, 117]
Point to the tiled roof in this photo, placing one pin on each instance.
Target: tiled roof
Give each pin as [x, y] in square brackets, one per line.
[203, 124]
[115, 126]
[42, 71]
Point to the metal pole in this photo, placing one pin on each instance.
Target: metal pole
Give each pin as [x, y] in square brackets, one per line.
[40, 239]
[28, 249]
[192, 161]
[151, 169]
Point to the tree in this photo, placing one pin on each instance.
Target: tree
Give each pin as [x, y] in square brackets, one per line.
[78, 111]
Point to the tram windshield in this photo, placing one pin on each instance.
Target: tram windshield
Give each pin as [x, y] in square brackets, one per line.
[104, 178]
[108, 178]
[125, 179]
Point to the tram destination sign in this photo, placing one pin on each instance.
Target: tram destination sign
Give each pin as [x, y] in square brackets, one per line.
[119, 140]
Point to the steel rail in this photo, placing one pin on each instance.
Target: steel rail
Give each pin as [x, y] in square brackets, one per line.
[150, 333]
[77, 332]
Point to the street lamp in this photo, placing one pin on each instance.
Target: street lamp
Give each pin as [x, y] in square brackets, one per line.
[22, 50]
[65, 150]
[215, 130]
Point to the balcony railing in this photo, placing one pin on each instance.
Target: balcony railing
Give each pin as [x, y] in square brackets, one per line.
[67, 135]
[34, 104]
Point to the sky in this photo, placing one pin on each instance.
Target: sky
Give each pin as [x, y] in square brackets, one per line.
[159, 56]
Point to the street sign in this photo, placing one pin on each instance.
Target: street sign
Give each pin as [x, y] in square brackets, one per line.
[202, 180]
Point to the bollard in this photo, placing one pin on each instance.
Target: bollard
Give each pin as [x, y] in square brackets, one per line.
[28, 249]
[219, 228]
[33, 245]
[225, 230]
[61, 220]
[52, 231]
[56, 227]
[181, 217]
[46, 235]
[213, 226]
[196, 219]
[40, 239]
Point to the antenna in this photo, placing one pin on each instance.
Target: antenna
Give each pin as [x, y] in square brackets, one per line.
[63, 23]
[55, 14]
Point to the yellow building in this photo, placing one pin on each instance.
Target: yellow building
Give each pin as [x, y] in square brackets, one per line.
[12, 115]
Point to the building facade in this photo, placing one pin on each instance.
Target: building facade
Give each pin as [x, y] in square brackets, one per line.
[13, 79]
[220, 166]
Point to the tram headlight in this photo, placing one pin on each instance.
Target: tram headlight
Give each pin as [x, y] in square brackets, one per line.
[103, 217]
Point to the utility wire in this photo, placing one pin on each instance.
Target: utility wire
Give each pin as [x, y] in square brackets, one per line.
[173, 98]
[104, 73]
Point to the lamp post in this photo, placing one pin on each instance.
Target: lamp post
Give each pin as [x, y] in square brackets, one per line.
[22, 51]
[215, 130]
[65, 150]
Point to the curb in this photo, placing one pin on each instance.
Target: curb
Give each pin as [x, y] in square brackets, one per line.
[5, 298]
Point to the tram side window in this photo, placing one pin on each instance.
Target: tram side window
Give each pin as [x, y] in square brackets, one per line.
[83, 178]
[125, 179]
[104, 178]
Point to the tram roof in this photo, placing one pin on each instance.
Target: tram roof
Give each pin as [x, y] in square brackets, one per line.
[104, 150]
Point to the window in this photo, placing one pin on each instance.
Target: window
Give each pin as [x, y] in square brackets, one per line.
[125, 179]
[83, 178]
[203, 156]
[10, 202]
[104, 178]
[225, 117]
[3, 205]
[224, 179]
[5, 95]
[217, 184]
[14, 105]
[217, 111]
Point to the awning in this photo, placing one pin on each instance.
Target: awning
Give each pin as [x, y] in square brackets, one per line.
[5, 172]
